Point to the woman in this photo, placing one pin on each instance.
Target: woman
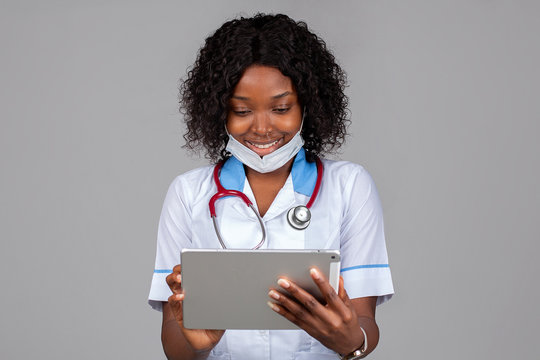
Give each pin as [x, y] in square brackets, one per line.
[266, 96]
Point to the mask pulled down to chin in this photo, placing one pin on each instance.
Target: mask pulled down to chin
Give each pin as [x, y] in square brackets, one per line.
[267, 163]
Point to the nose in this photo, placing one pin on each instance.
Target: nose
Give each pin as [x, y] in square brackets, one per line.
[262, 123]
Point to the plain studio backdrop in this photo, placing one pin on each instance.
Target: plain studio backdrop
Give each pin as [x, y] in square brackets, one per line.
[445, 116]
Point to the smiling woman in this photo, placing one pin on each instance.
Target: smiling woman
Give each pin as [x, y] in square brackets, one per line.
[277, 42]
[265, 100]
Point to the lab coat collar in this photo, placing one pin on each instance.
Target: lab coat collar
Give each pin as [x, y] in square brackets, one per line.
[303, 174]
[232, 175]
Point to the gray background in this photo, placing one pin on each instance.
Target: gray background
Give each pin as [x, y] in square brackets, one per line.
[444, 101]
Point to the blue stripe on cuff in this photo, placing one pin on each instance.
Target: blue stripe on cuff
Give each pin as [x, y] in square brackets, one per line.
[162, 271]
[365, 267]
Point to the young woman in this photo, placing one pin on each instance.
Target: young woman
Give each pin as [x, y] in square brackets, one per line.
[266, 97]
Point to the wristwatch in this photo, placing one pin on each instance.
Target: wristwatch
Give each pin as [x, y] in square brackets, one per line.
[359, 353]
[355, 355]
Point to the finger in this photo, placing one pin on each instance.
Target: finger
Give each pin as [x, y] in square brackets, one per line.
[341, 288]
[324, 286]
[332, 298]
[285, 313]
[294, 312]
[296, 316]
[175, 302]
[177, 268]
[342, 293]
[174, 280]
[305, 308]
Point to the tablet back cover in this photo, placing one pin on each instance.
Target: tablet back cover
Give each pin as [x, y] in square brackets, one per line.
[228, 289]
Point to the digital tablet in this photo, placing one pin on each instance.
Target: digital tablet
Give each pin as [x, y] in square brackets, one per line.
[228, 289]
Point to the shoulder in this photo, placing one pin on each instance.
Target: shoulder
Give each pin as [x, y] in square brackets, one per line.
[345, 172]
[194, 176]
[349, 182]
[342, 167]
[192, 184]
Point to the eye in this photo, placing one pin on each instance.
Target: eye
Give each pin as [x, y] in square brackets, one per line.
[281, 110]
[241, 112]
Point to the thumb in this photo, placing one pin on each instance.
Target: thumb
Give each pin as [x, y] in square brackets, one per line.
[341, 290]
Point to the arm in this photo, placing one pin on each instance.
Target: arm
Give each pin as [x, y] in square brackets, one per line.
[174, 343]
[365, 310]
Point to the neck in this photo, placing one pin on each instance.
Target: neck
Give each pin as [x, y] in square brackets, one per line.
[266, 186]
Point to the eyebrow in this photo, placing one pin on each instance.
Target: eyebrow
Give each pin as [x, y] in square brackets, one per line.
[279, 96]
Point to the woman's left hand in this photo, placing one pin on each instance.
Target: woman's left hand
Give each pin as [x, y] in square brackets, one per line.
[335, 324]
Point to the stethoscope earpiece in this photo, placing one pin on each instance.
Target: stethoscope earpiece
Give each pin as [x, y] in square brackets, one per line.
[299, 217]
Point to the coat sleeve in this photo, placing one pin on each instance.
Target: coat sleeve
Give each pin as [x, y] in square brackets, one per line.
[364, 259]
[174, 234]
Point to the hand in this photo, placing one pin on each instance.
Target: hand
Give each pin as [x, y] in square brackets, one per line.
[200, 340]
[335, 324]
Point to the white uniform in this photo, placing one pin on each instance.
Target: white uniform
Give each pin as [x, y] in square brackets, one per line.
[346, 216]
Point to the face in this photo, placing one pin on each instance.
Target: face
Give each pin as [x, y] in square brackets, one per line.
[264, 113]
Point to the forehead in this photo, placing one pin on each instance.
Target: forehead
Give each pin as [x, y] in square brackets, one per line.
[262, 80]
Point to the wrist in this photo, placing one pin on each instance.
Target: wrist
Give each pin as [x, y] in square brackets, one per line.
[201, 354]
[359, 352]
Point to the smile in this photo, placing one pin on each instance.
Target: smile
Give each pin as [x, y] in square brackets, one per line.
[263, 146]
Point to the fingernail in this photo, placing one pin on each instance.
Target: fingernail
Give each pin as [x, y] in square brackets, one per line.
[314, 273]
[179, 278]
[273, 306]
[273, 294]
[284, 283]
[179, 296]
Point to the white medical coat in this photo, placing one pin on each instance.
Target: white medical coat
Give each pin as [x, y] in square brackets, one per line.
[346, 216]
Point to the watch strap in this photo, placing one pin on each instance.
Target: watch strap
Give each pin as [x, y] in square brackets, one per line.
[359, 353]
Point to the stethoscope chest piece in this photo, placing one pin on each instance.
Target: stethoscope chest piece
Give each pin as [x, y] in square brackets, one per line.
[299, 217]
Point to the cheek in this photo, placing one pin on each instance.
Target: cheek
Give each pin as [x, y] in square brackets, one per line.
[237, 125]
[290, 124]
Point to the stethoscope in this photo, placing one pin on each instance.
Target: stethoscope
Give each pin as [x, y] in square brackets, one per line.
[298, 217]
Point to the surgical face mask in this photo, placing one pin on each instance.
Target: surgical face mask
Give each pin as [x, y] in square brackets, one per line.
[267, 163]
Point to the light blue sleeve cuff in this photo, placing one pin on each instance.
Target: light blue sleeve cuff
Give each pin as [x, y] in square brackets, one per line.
[368, 280]
[159, 290]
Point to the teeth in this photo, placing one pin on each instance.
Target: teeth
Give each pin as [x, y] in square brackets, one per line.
[264, 146]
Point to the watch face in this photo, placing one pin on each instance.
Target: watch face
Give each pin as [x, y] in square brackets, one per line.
[355, 355]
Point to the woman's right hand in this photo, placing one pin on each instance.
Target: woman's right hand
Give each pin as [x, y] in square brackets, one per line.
[200, 340]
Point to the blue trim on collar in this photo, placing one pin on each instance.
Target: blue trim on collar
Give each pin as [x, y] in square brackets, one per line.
[232, 175]
[304, 174]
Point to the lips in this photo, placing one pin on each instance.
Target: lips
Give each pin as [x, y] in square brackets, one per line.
[264, 148]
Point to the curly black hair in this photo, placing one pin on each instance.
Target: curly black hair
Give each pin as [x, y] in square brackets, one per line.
[269, 40]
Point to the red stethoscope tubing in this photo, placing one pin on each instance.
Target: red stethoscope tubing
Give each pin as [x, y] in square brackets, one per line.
[222, 192]
[317, 183]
